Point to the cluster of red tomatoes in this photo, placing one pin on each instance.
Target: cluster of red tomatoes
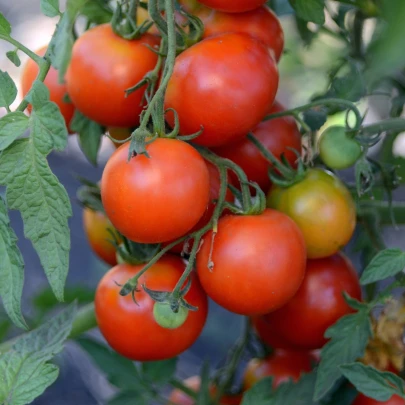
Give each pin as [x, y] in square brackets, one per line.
[281, 267]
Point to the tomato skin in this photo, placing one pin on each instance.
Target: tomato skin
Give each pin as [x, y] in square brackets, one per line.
[259, 262]
[282, 365]
[120, 134]
[225, 84]
[234, 6]
[96, 225]
[260, 23]
[57, 91]
[322, 207]
[276, 135]
[317, 305]
[122, 322]
[178, 397]
[156, 199]
[363, 400]
[102, 67]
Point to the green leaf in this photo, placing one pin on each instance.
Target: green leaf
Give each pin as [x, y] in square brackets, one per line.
[14, 58]
[386, 263]
[120, 371]
[315, 119]
[349, 338]
[11, 269]
[306, 34]
[373, 383]
[48, 128]
[24, 370]
[310, 10]
[97, 12]
[129, 397]
[50, 8]
[34, 190]
[5, 27]
[8, 89]
[90, 134]
[260, 393]
[38, 94]
[12, 126]
[159, 372]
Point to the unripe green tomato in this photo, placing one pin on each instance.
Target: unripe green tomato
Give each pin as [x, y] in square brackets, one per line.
[166, 318]
[337, 150]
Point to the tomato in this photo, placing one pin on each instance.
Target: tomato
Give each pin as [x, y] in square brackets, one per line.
[178, 397]
[225, 84]
[322, 207]
[317, 305]
[130, 328]
[234, 6]
[97, 226]
[166, 318]
[277, 136]
[120, 134]
[102, 67]
[363, 400]
[260, 23]
[338, 150]
[155, 199]
[258, 262]
[57, 91]
[282, 365]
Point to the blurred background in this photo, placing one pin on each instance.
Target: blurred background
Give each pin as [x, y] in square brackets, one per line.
[303, 72]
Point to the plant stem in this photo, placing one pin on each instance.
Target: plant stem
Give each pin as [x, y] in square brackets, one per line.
[182, 387]
[84, 321]
[392, 124]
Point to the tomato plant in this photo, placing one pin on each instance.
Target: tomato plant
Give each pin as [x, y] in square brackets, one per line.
[123, 321]
[237, 6]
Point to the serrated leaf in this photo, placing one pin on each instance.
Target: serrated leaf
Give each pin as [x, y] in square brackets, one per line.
[90, 134]
[14, 58]
[5, 27]
[310, 10]
[38, 94]
[159, 372]
[24, 369]
[50, 8]
[8, 89]
[373, 383]
[48, 128]
[315, 119]
[35, 191]
[11, 269]
[12, 126]
[120, 371]
[386, 263]
[349, 338]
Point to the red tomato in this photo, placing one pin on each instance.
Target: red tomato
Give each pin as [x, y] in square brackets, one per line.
[102, 67]
[260, 23]
[363, 400]
[178, 397]
[57, 91]
[225, 84]
[283, 365]
[277, 136]
[258, 262]
[234, 6]
[318, 304]
[96, 225]
[130, 328]
[156, 199]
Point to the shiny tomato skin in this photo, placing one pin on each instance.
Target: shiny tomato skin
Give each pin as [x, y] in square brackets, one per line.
[282, 365]
[322, 207]
[57, 91]
[178, 397]
[277, 136]
[96, 225]
[155, 199]
[317, 305]
[363, 400]
[234, 6]
[260, 23]
[258, 262]
[102, 67]
[225, 84]
[130, 328]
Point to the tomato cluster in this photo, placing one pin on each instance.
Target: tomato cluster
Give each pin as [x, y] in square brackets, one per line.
[279, 265]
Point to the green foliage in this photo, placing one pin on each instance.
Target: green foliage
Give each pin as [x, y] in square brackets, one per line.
[310, 10]
[50, 8]
[8, 90]
[5, 27]
[12, 126]
[13, 57]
